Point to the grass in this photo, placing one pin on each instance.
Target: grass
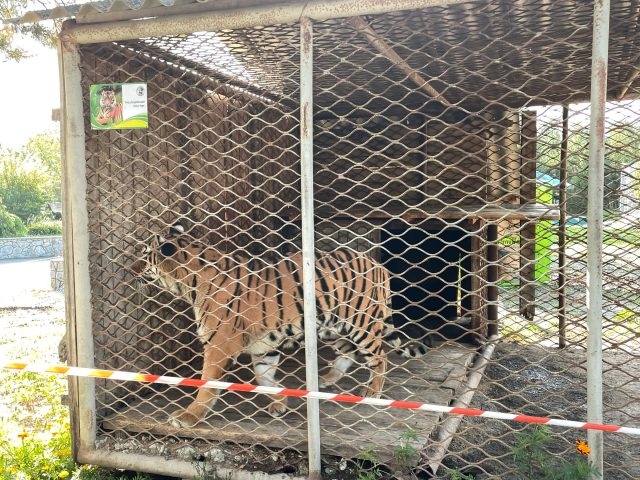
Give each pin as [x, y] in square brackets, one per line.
[35, 439]
[534, 461]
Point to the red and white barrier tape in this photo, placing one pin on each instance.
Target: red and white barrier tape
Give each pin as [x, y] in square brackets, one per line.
[289, 392]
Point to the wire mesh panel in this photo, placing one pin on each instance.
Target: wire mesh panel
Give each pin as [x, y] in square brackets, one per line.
[450, 213]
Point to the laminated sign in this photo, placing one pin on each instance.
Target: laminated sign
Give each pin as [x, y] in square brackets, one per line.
[118, 106]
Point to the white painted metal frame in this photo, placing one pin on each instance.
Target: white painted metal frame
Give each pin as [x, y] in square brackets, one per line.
[595, 210]
[77, 293]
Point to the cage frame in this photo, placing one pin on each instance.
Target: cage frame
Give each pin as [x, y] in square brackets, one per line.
[77, 295]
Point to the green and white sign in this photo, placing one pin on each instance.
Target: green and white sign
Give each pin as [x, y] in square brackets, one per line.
[118, 106]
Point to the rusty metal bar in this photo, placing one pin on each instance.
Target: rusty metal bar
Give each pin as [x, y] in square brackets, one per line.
[527, 250]
[599, 67]
[237, 18]
[308, 242]
[562, 232]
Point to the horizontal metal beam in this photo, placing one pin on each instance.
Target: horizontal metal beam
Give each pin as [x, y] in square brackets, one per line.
[237, 18]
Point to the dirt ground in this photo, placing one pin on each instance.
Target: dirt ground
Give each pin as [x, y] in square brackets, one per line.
[530, 379]
[548, 382]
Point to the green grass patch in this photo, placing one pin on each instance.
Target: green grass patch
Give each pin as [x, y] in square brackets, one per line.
[35, 438]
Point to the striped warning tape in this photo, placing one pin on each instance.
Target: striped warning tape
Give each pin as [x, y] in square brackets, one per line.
[290, 392]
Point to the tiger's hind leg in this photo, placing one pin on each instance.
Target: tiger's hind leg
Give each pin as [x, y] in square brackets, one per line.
[346, 353]
[265, 368]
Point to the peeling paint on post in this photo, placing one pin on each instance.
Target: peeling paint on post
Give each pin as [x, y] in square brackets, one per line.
[308, 241]
[595, 207]
[239, 18]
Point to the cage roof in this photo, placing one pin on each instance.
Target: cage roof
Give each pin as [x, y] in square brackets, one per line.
[510, 53]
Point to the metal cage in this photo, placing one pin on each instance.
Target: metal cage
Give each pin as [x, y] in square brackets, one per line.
[447, 141]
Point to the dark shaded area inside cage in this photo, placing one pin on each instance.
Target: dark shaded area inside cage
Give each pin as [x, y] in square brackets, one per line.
[429, 284]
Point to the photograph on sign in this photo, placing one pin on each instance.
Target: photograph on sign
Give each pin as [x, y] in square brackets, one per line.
[118, 106]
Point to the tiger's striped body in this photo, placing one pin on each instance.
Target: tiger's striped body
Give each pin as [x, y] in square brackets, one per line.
[245, 305]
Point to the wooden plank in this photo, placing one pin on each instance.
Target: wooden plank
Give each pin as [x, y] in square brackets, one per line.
[346, 429]
[528, 228]
[472, 212]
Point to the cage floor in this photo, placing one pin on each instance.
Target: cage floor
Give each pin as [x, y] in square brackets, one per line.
[346, 429]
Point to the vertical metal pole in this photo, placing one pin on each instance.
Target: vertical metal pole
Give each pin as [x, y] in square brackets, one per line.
[76, 248]
[308, 241]
[492, 279]
[599, 65]
[495, 172]
[562, 233]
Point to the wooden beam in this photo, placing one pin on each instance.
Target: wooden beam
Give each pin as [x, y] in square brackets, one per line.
[362, 27]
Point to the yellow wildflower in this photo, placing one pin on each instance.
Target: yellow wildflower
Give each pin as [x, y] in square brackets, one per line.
[63, 474]
[582, 447]
[63, 453]
[13, 469]
[23, 435]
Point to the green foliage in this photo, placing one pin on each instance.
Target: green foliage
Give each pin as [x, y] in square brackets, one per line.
[10, 225]
[368, 468]
[36, 458]
[48, 227]
[35, 439]
[534, 461]
[44, 224]
[529, 453]
[622, 143]
[8, 36]
[406, 453]
[31, 177]
[45, 148]
[456, 475]
[22, 189]
[627, 317]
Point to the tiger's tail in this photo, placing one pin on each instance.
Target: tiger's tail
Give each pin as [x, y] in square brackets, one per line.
[400, 342]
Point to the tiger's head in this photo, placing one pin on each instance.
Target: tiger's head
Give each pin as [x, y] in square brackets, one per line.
[107, 98]
[161, 258]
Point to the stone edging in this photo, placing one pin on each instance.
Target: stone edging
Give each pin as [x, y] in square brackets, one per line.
[30, 247]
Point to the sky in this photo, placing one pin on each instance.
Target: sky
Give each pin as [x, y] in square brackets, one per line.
[30, 90]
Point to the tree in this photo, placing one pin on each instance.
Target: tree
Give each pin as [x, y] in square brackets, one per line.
[30, 177]
[10, 224]
[45, 148]
[23, 190]
[622, 144]
[9, 50]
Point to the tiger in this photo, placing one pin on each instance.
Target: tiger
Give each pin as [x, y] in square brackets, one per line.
[110, 108]
[248, 305]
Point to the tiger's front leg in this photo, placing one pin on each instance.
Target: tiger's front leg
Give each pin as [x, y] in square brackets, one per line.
[216, 360]
[265, 368]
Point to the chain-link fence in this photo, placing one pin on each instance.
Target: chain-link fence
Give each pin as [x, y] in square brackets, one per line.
[449, 146]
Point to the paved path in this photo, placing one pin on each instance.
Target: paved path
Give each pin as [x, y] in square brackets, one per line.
[20, 277]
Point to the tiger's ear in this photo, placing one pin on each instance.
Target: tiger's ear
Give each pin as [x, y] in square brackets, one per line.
[168, 249]
[176, 229]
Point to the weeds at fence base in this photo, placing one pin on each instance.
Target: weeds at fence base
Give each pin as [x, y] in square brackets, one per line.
[534, 461]
[35, 439]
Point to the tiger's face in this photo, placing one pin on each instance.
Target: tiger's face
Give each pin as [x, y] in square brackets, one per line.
[158, 261]
[107, 99]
